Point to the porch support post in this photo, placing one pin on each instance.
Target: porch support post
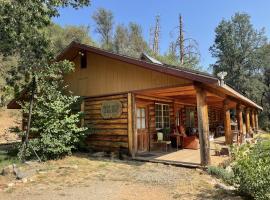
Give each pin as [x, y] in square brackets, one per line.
[239, 112]
[131, 145]
[256, 121]
[253, 120]
[247, 118]
[203, 126]
[227, 122]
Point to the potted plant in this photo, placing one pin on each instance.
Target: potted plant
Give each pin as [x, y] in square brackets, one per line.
[166, 133]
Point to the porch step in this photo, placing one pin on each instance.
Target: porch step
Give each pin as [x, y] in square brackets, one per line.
[169, 162]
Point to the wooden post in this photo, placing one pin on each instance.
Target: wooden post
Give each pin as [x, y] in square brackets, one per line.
[253, 120]
[203, 126]
[227, 122]
[130, 125]
[239, 112]
[256, 121]
[247, 118]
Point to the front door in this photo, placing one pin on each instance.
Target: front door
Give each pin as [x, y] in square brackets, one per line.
[142, 128]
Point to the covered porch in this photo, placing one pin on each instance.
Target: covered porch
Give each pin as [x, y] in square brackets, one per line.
[201, 110]
[185, 157]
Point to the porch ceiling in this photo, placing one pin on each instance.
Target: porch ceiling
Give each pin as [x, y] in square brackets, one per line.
[185, 95]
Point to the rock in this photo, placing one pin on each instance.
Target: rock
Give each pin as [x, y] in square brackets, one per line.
[114, 155]
[69, 167]
[7, 170]
[124, 157]
[98, 154]
[10, 184]
[24, 180]
[225, 187]
[18, 173]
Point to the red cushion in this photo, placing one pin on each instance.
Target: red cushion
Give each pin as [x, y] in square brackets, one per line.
[191, 142]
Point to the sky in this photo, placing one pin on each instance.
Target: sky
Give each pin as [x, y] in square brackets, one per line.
[200, 17]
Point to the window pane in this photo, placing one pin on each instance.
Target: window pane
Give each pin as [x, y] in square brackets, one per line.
[138, 112]
[143, 123]
[139, 123]
[142, 112]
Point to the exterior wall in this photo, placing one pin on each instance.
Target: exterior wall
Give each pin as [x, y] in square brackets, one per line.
[105, 76]
[109, 134]
[152, 118]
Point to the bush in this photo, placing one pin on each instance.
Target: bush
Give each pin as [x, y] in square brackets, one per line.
[252, 169]
[221, 173]
[55, 125]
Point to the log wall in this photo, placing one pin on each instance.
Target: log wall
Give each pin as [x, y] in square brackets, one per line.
[109, 134]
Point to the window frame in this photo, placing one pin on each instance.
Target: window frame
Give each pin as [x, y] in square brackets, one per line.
[163, 116]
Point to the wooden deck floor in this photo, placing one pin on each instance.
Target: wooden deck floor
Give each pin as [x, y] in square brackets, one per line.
[183, 157]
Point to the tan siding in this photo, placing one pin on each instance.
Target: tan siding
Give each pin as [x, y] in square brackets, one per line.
[108, 76]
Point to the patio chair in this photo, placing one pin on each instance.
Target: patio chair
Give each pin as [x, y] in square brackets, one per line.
[163, 142]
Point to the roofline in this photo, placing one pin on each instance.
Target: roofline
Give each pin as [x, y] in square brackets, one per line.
[240, 96]
[170, 70]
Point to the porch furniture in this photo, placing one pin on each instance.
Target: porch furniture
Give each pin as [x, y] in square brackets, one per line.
[162, 142]
[177, 138]
[191, 142]
[188, 142]
[219, 131]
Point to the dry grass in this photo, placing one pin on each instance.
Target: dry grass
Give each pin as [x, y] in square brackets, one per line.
[82, 177]
[8, 119]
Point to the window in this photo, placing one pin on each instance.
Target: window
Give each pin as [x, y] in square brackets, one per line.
[162, 116]
[83, 59]
[190, 117]
[141, 120]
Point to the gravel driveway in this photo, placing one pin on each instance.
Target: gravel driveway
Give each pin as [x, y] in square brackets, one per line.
[82, 177]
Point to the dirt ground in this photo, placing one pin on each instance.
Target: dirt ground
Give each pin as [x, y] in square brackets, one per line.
[8, 119]
[84, 177]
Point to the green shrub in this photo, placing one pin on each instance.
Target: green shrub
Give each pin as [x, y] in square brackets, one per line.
[221, 173]
[252, 169]
[55, 126]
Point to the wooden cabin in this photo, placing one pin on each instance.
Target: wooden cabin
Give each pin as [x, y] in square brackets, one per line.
[128, 101]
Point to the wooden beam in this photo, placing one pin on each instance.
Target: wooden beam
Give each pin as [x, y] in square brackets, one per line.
[203, 126]
[130, 125]
[227, 122]
[239, 113]
[247, 118]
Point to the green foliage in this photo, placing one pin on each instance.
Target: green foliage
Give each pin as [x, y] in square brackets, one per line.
[129, 40]
[104, 26]
[251, 169]
[61, 37]
[23, 37]
[221, 173]
[236, 50]
[54, 126]
[243, 52]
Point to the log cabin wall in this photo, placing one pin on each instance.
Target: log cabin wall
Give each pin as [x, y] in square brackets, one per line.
[152, 115]
[109, 134]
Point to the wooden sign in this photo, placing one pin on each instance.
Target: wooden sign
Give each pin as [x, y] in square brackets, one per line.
[111, 109]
